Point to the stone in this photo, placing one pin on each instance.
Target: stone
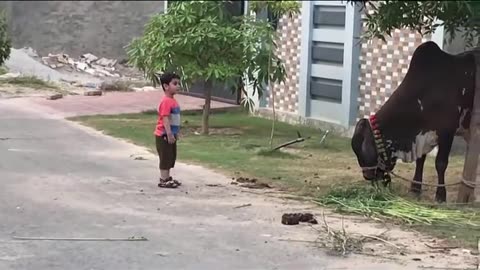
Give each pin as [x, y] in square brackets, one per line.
[93, 93]
[90, 71]
[81, 66]
[55, 97]
[106, 62]
[104, 72]
[89, 58]
[63, 59]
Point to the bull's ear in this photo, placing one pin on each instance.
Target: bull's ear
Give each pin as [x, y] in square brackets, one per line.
[357, 138]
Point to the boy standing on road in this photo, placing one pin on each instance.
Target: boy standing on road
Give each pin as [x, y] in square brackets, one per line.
[167, 129]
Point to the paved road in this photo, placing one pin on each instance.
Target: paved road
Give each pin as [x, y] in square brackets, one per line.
[59, 179]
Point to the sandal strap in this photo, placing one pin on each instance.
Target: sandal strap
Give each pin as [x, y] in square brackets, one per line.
[174, 180]
[168, 184]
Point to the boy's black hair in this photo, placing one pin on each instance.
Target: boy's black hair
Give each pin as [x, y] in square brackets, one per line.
[168, 77]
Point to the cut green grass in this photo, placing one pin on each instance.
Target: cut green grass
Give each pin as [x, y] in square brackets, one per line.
[30, 82]
[238, 146]
[380, 203]
[460, 224]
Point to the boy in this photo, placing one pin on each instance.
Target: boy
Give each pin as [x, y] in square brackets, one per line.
[167, 129]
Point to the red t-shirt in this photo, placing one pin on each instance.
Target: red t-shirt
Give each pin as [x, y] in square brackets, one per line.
[168, 107]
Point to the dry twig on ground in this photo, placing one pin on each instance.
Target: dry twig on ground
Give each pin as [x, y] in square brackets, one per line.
[339, 241]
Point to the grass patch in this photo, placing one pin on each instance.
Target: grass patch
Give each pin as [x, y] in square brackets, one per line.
[238, 145]
[29, 81]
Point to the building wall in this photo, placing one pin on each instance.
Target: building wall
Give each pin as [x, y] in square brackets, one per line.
[383, 66]
[321, 43]
[285, 95]
[76, 27]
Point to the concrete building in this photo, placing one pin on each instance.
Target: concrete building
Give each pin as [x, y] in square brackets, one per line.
[334, 78]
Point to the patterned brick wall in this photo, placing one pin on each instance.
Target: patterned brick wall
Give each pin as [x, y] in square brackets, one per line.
[286, 94]
[383, 66]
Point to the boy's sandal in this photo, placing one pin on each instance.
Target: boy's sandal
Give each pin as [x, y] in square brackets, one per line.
[175, 181]
[167, 184]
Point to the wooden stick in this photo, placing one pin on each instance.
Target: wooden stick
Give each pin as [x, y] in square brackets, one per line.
[324, 136]
[294, 240]
[289, 143]
[381, 240]
[243, 205]
[80, 239]
[446, 247]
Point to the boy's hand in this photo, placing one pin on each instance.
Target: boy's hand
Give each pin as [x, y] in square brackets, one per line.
[170, 138]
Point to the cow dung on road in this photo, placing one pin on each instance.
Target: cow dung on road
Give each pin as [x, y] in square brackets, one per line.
[296, 218]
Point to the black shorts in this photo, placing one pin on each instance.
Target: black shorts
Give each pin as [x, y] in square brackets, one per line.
[167, 153]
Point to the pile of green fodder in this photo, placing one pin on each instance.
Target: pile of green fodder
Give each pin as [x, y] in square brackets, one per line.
[381, 204]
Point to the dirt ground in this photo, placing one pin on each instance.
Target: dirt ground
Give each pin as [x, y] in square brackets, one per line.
[406, 247]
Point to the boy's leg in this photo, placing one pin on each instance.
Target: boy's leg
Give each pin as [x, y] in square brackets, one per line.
[164, 174]
[174, 159]
[165, 154]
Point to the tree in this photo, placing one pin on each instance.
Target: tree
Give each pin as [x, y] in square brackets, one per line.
[200, 41]
[5, 41]
[423, 17]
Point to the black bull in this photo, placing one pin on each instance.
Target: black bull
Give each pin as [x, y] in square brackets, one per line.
[429, 108]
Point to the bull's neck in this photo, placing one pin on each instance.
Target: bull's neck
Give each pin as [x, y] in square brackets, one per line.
[383, 146]
[384, 127]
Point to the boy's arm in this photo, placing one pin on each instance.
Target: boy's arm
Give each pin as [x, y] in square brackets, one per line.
[166, 124]
[165, 113]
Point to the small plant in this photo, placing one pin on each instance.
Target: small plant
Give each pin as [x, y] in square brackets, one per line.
[3, 70]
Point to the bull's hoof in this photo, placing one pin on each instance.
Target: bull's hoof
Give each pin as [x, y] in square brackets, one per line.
[441, 195]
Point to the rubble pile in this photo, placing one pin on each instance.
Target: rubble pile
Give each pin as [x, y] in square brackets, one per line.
[88, 63]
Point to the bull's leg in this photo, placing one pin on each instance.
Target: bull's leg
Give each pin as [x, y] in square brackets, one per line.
[445, 141]
[416, 188]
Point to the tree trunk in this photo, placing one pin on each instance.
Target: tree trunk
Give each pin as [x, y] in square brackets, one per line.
[207, 88]
[466, 193]
[274, 118]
